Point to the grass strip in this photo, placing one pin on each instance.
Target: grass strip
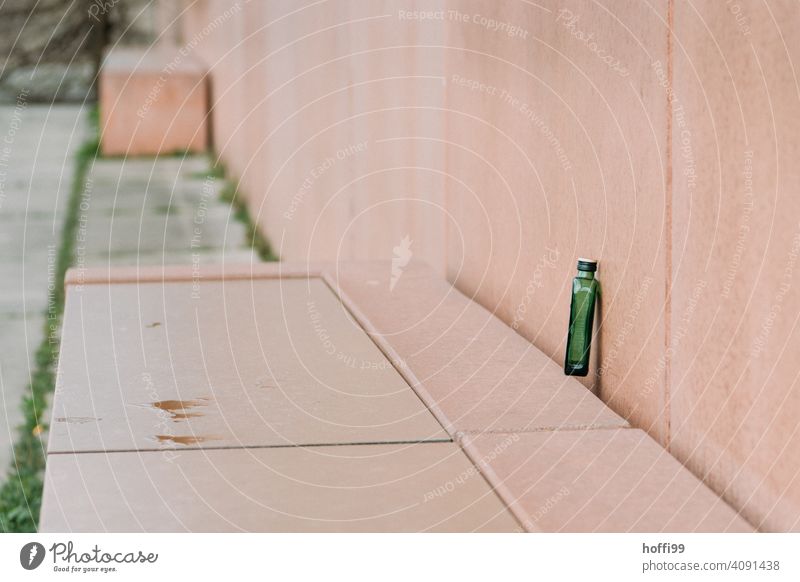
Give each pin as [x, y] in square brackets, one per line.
[230, 194]
[21, 493]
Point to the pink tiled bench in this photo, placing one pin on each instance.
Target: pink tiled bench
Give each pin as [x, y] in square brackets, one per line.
[315, 398]
[152, 101]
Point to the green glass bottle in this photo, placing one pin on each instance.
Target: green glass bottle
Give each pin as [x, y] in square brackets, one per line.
[581, 317]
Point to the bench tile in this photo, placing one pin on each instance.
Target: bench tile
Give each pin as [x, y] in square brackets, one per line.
[347, 488]
[472, 369]
[225, 363]
[616, 480]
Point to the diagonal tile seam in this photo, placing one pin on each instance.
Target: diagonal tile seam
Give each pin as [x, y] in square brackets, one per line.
[389, 353]
[461, 437]
[484, 470]
[493, 480]
[417, 386]
[496, 484]
[245, 447]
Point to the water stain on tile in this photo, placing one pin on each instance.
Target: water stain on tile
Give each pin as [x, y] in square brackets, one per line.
[183, 440]
[181, 409]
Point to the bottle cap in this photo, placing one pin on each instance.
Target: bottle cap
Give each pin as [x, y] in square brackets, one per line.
[589, 265]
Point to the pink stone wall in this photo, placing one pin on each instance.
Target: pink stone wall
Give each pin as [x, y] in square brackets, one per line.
[505, 139]
[331, 116]
[734, 393]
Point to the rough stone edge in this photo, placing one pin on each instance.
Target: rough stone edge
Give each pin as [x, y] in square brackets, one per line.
[496, 484]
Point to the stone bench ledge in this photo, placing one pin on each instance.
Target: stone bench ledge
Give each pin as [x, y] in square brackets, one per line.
[240, 346]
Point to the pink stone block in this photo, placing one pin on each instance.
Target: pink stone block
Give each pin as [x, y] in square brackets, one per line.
[152, 101]
[397, 488]
[471, 369]
[598, 481]
[270, 362]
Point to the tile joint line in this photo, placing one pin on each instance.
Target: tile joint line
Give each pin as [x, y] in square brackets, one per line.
[246, 447]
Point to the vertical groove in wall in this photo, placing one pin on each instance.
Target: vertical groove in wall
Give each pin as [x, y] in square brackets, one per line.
[668, 220]
[445, 162]
[447, 56]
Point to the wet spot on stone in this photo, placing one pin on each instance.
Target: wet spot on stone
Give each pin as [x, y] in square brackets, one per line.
[181, 409]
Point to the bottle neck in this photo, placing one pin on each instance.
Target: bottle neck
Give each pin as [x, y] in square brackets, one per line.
[585, 275]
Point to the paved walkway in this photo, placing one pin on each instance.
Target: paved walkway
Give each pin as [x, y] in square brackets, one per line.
[37, 153]
[137, 211]
[151, 211]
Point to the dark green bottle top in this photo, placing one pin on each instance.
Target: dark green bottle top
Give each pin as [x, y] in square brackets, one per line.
[589, 265]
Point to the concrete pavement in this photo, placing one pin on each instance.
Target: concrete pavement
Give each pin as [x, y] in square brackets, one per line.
[37, 151]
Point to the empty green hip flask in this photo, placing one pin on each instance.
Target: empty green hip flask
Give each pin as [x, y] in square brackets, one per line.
[581, 317]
